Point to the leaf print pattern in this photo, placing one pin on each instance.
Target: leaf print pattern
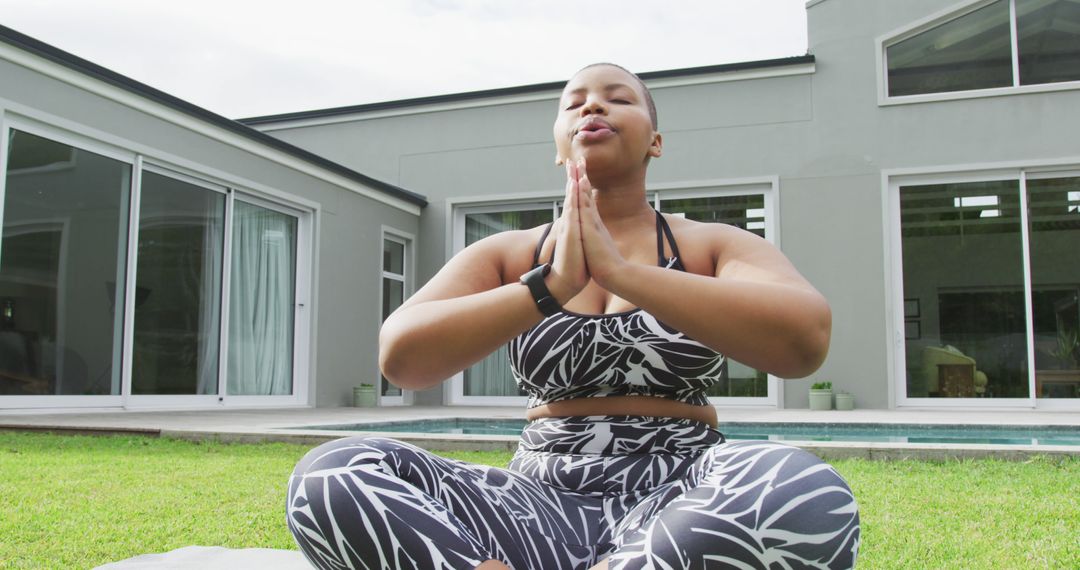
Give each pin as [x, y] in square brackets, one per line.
[639, 492]
[576, 356]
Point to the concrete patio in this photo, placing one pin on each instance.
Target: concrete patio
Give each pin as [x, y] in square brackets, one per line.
[288, 425]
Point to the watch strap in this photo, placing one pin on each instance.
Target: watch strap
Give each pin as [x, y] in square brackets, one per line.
[534, 280]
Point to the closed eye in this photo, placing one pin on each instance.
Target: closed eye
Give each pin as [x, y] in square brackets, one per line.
[620, 101]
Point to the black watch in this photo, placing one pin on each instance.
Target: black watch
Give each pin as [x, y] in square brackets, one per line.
[534, 280]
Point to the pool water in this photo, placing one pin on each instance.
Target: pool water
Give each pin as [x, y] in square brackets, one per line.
[889, 433]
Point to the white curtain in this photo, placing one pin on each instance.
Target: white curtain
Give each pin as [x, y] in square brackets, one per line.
[209, 343]
[261, 301]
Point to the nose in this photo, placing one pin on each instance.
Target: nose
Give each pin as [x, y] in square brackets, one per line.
[593, 106]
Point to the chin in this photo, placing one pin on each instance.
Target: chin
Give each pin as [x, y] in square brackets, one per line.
[598, 158]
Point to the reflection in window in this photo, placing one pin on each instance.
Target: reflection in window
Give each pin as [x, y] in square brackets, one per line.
[1055, 283]
[973, 51]
[62, 254]
[746, 212]
[963, 267]
[177, 327]
[1048, 37]
[262, 304]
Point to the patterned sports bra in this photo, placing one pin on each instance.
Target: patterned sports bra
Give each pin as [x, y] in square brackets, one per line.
[571, 355]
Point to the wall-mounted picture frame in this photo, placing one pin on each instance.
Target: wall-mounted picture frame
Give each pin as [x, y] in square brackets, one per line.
[912, 330]
[911, 308]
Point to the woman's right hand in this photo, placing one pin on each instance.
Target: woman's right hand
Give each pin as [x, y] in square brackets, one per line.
[569, 272]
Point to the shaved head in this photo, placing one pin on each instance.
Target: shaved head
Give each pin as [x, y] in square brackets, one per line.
[644, 88]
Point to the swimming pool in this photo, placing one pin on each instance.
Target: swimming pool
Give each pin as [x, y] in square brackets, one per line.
[853, 432]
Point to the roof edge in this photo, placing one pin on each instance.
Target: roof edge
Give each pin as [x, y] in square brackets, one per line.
[86, 67]
[517, 90]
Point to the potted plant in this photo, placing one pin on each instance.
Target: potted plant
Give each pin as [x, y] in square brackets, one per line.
[845, 400]
[1068, 349]
[821, 396]
[364, 396]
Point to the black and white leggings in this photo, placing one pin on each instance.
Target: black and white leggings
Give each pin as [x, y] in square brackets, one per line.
[640, 492]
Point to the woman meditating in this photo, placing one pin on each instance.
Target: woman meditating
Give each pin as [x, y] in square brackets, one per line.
[618, 320]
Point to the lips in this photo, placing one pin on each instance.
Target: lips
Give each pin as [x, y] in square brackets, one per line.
[593, 130]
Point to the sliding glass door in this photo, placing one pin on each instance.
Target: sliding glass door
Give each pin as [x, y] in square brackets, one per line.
[262, 301]
[1054, 222]
[990, 288]
[62, 253]
[195, 304]
[178, 287]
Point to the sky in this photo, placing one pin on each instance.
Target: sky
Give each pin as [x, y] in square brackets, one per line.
[243, 58]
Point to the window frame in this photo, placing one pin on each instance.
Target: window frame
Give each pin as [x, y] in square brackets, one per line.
[884, 41]
[406, 240]
[13, 121]
[896, 355]
[301, 303]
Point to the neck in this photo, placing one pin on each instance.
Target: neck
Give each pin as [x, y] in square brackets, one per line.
[621, 200]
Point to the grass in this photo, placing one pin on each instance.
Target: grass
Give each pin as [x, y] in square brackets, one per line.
[80, 501]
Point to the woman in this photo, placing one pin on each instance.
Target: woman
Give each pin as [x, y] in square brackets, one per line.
[617, 318]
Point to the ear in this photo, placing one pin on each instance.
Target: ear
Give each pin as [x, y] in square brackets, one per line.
[559, 161]
[656, 148]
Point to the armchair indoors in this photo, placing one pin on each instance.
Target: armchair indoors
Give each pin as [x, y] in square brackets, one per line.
[952, 374]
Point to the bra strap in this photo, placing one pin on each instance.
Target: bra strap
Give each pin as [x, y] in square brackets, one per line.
[662, 230]
[540, 245]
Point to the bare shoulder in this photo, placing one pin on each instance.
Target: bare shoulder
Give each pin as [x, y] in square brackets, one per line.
[733, 252]
[509, 252]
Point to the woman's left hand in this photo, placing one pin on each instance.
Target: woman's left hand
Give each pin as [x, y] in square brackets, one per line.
[602, 258]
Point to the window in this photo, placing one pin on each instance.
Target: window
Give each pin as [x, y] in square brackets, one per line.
[963, 256]
[1048, 40]
[393, 290]
[1005, 43]
[62, 254]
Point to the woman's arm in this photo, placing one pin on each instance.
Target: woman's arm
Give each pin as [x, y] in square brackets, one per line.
[756, 308]
[460, 316]
[475, 304]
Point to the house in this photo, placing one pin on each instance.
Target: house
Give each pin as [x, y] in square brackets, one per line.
[920, 166]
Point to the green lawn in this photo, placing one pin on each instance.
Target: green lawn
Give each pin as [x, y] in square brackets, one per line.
[78, 501]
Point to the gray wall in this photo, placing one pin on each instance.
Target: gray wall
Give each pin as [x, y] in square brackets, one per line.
[349, 256]
[824, 135]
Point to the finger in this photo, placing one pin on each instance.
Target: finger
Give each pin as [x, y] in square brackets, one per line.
[570, 224]
[586, 203]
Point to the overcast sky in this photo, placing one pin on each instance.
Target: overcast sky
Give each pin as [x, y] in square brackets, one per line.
[242, 58]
